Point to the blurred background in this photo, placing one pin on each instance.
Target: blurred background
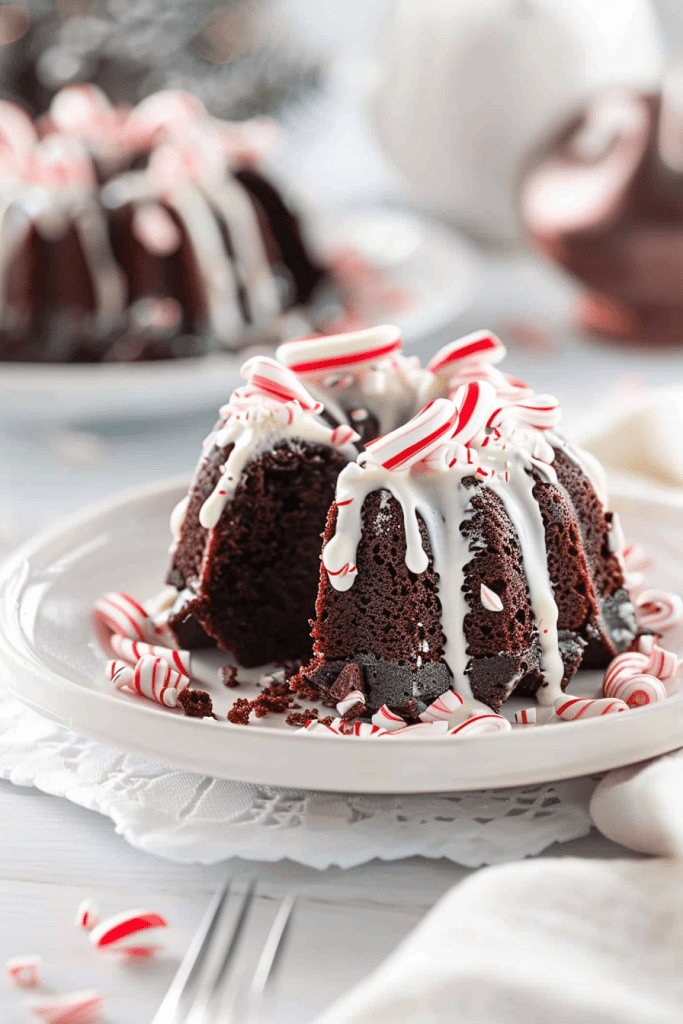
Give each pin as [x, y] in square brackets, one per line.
[510, 164]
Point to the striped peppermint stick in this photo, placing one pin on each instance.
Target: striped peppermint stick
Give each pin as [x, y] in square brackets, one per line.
[270, 378]
[571, 708]
[658, 610]
[87, 915]
[125, 616]
[154, 678]
[477, 724]
[663, 664]
[135, 932]
[474, 402]
[132, 651]
[636, 691]
[388, 720]
[542, 412]
[409, 443]
[480, 347]
[24, 971]
[434, 727]
[443, 708]
[624, 666]
[354, 349]
[527, 716]
[83, 1007]
[121, 673]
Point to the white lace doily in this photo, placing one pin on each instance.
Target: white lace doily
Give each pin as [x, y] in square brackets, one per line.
[192, 818]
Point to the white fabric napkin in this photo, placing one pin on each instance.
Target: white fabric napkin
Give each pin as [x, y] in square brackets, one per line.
[566, 940]
[639, 433]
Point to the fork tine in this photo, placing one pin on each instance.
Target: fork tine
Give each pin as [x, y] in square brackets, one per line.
[272, 948]
[193, 959]
[210, 987]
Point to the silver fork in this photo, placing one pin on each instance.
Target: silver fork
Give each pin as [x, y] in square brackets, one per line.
[198, 990]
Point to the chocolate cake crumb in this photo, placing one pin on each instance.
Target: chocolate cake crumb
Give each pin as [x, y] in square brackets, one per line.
[240, 711]
[303, 687]
[229, 677]
[327, 720]
[298, 719]
[266, 703]
[196, 703]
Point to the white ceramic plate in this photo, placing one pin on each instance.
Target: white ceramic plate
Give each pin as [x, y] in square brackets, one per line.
[438, 267]
[55, 666]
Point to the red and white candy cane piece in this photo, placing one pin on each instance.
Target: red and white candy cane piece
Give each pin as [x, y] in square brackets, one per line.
[636, 557]
[432, 728]
[658, 610]
[84, 1007]
[388, 720]
[474, 402]
[316, 356]
[24, 971]
[132, 651]
[120, 673]
[490, 600]
[541, 412]
[624, 666]
[571, 708]
[526, 717]
[276, 381]
[352, 698]
[409, 443]
[443, 708]
[342, 435]
[360, 729]
[637, 691]
[124, 615]
[154, 678]
[479, 347]
[483, 723]
[134, 932]
[87, 915]
[663, 664]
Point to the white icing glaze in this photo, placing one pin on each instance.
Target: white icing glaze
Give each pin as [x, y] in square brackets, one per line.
[436, 496]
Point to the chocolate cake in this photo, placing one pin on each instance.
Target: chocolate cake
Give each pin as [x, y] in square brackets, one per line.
[467, 547]
[604, 199]
[143, 234]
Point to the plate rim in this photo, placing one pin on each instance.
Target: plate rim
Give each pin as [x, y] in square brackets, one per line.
[32, 675]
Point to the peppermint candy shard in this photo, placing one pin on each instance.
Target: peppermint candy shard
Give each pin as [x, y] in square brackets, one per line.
[490, 600]
[663, 664]
[84, 1007]
[474, 402]
[388, 720]
[24, 971]
[120, 673]
[132, 651]
[87, 915]
[410, 443]
[122, 614]
[443, 708]
[154, 678]
[342, 435]
[481, 723]
[571, 708]
[636, 557]
[325, 354]
[637, 691]
[542, 412]
[479, 347]
[270, 378]
[527, 716]
[434, 727]
[350, 701]
[658, 610]
[134, 932]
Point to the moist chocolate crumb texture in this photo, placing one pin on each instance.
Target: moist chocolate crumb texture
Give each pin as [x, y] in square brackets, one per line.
[466, 545]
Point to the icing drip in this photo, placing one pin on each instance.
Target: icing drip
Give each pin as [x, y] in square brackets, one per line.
[431, 490]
